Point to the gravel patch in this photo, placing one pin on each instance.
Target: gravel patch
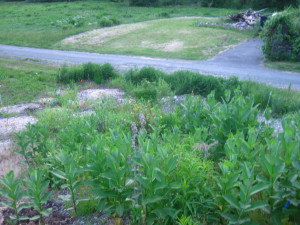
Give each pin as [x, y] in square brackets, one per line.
[8, 126]
[94, 94]
[21, 108]
[239, 25]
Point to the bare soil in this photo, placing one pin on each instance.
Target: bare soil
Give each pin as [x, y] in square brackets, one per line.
[102, 35]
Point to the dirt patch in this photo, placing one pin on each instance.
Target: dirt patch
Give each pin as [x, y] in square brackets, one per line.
[21, 108]
[93, 94]
[59, 215]
[172, 46]
[12, 162]
[8, 126]
[99, 36]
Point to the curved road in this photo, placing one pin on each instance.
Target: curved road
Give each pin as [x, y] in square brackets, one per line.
[243, 61]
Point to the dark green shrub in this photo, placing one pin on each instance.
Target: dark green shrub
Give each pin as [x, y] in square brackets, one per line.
[185, 82]
[145, 93]
[69, 74]
[88, 71]
[108, 21]
[256, 4]
[149, 74]
[164, 15]
[281, 36]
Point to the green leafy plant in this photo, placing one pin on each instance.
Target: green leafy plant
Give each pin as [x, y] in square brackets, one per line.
[70, 175]
[11, 190]
[32, 143]
[240, 201]
[37, 192]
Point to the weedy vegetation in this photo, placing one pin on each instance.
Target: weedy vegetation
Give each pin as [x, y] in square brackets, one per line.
[205, 160]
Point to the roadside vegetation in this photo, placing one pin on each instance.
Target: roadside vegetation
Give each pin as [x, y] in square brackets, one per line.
[25, 80]
[203, 159]
[283, 65]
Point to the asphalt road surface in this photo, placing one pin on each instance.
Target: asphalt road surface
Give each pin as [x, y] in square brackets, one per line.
[243, 61]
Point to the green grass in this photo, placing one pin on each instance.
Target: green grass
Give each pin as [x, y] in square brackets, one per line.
[284, 65]
[24, 80]
[44, 24]
[168, 38]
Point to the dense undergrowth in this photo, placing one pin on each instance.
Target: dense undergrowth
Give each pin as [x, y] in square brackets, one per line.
[208, 161]
[204, 163]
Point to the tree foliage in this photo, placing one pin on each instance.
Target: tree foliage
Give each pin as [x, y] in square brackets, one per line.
[281, 36]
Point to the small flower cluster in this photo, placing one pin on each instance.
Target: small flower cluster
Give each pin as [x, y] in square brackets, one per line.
[143, 122]
[134, 130]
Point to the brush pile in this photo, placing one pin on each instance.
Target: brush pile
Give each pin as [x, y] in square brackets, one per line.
[250, 16]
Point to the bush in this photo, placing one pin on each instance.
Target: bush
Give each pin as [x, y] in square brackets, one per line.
[185, 82]
[149, 74]
[282, 101]
[89, 71]
[145, 93]
[108, 21]
[281, 35]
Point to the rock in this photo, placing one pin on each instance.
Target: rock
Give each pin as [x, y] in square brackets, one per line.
[238, 25]
[94, 94]
[21, 108]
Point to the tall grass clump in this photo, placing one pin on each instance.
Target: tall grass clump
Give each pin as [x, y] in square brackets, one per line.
[89, 71]
[148, 74]
[186, 82]
[147, 84]
[281, 101]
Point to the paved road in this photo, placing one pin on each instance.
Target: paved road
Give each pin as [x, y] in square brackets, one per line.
[244, 61]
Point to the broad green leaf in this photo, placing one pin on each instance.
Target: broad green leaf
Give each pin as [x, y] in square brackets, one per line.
[150, 200]
[120, 210]
[296, 184]
[129, 182]
[232, 201]
[23, 218]
[65, 198]
[258, 188]
[231, 218]
[59, 174]
[257, 205]
[35, 217]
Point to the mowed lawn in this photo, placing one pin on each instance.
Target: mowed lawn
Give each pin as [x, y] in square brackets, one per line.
[162, 34]
[44, 24]
[169, 38]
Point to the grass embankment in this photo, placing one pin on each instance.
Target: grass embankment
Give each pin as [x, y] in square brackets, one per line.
[44, 24]
[284, 65]
[23, 80]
